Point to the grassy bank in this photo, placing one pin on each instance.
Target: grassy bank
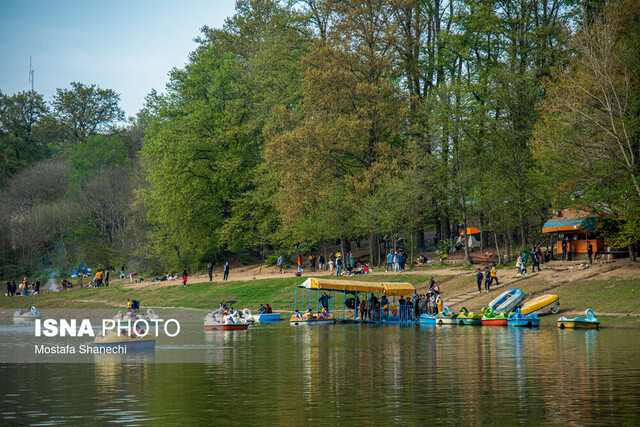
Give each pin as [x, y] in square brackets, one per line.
[278, 292]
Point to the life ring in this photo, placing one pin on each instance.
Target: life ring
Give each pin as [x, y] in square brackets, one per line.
[350, 303]
[246, 312]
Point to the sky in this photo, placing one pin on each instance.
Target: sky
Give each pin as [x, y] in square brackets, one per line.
[125, 45]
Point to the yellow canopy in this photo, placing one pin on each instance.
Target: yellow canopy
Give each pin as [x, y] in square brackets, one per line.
[398, 289]
[341, 285]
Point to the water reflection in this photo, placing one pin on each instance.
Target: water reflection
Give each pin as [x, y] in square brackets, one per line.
[346, 374]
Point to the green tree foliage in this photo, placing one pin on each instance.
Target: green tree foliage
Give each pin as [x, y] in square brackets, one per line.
[204, 140]
[589, 139]
[25, 134]
[86, 110]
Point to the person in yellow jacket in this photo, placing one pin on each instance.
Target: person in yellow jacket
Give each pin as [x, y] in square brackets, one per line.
[440, 304]
[494, 275]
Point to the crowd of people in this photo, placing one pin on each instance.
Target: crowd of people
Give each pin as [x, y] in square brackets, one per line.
[24, 289]
[335, 264]
[396, 261]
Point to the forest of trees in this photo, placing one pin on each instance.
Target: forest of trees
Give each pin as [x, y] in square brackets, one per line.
[303, 122]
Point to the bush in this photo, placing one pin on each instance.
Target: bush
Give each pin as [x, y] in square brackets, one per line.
[245, 259]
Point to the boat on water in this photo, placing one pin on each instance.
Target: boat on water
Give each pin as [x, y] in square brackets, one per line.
[523, 320]
[591, 322]
[507, 301]
[491, 318]
[27, 315]
[428, 319]
[446, 317]
[266, 317]
[551, 302]
[125, 338]
[466, 317]
[217, 321]
[323, 318]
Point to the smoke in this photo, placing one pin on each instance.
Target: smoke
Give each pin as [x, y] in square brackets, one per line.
[51, 281]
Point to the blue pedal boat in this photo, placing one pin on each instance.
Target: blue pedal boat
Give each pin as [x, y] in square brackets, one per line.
[428, 319]
[507, 301]
[523, 320]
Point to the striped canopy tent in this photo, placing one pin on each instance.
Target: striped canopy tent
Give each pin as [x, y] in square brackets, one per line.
[585, 224]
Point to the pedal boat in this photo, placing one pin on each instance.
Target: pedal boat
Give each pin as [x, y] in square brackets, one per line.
[131, 341]
[523, 320]
[507, 301]
[323, 318]
[428, 319]
[215, 321]
[446, 317]
[27, 315]
[267, 317]
[551, 302]
[591, 322]
[469, 317]
[490, 318]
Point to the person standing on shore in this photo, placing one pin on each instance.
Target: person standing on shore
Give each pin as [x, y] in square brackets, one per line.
[339, 265]
[226, 271]
[389, 261]
[494, 276]
[487, 279]
[184, 278]
[280, 263]
[564, 249]
[300, 263]
[321, 265]
[479, 278]
[569, 250]
[589, 251]
[210, 269]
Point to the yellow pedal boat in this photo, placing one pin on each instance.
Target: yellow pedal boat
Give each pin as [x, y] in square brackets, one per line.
[591, 322]
[552, 302]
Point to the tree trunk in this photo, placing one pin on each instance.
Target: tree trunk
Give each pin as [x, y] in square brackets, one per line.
[373, 249]
[420, 239]
[411, 258]
[495, 234]
[632, 254]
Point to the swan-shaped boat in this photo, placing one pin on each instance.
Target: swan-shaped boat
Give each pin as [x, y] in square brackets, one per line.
[27, 315]
[507, 301]
[491, 318]
[428, 319]
[446, 317]
[217, 321]
[524, 320]
[469, 317]
[591, 322]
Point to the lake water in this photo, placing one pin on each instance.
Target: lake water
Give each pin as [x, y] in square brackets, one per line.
[341, 374]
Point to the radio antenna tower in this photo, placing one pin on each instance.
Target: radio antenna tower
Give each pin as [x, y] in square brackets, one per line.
[30, 73]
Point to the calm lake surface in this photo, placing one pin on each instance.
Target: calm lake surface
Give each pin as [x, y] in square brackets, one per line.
[342, 374]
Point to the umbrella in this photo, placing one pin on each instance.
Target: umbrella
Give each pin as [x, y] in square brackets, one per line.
[471, 230]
